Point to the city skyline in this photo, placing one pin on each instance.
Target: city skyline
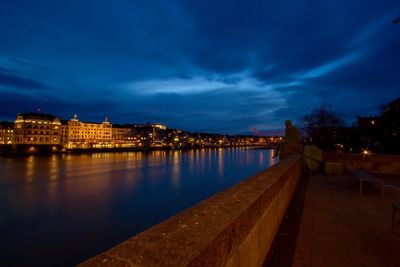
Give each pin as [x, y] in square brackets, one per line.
[46, 133]
[226, 67]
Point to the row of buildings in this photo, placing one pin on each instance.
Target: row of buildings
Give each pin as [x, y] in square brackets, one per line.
[44, 129]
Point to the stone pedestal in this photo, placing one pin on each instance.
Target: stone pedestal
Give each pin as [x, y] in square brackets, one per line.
[286, 150]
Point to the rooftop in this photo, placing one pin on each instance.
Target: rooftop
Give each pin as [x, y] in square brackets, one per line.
[329, 224]
[34, 115]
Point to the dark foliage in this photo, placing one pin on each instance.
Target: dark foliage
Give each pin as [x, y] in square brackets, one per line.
[389, 124]
[324, 128]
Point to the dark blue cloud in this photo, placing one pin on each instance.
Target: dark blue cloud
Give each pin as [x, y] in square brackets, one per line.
[12, 80]
[224, 66]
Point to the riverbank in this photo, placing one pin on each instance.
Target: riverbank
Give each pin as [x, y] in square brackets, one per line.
[23, 150]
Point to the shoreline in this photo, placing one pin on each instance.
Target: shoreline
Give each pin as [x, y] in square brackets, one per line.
[49, 150]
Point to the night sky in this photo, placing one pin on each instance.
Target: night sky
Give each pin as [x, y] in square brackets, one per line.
[213, 66]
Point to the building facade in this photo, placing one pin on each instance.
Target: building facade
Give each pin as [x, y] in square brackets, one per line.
[6, 133]
[121, 134]
[125, 137]
[64, 134]
[37, 129]
[88, 134]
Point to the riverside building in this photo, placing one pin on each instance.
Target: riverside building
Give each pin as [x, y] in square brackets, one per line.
[37, 129]
[126, 137]
[6, 133]
[88, 134]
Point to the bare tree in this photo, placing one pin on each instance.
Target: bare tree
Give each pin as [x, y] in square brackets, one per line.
[323, 127]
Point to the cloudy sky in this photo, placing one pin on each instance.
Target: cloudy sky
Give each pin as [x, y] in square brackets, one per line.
[215, 66]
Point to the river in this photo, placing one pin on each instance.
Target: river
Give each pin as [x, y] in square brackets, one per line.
[60, 210]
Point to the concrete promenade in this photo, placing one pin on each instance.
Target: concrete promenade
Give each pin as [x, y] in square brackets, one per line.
[330, 224]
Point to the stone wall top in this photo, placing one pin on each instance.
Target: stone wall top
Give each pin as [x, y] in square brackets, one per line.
[375, 163]
[210, 230]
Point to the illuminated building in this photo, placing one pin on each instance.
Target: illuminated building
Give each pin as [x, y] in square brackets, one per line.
[88, 134]
[64, 133]
[43, 129]
[152, 135]
[6, 133]
[37, 129]
[121, 133]
[125, 137]
[159, 126]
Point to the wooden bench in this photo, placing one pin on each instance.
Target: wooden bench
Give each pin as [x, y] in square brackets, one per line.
[367, 177]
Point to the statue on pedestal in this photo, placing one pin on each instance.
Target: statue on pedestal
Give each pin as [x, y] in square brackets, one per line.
[292, 134]
[292, 142]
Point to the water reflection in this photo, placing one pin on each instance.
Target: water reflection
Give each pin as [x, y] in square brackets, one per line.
[220, 162]
[176, 168]
[29, 169]
[49, 205]
[53, 168]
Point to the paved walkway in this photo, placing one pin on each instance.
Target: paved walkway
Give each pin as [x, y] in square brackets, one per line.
[330, 224]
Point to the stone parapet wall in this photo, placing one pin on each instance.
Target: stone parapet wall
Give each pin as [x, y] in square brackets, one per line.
[233, 228]
[374, 163]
